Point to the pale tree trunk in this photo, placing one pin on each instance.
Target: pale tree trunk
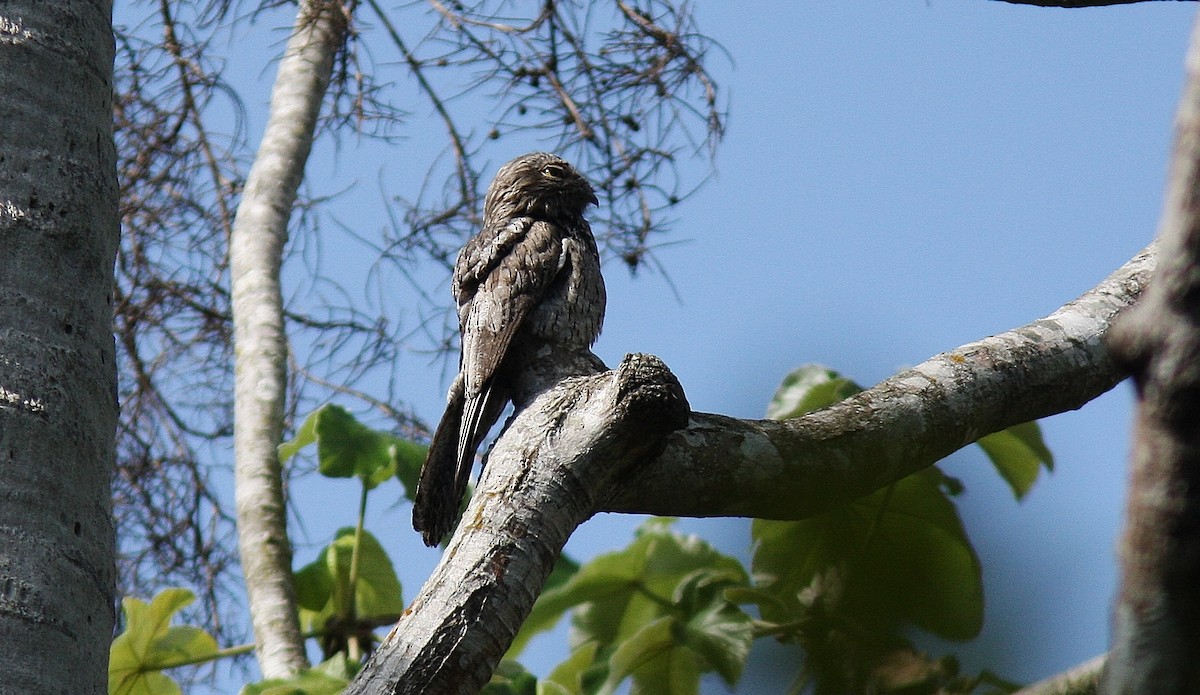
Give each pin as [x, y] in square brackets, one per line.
[1156, 623]
[256, 251]
[58, 409]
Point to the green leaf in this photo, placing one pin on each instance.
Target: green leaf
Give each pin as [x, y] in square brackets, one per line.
[330, 677]
[565, 567]
[721, 634]
[346, 448]
[765, 600]
[660, 576]
[618, 593]
[654, 657]
[314, 583]
[305, 435]
[899, 555]
[147, 683]
[409, 457]
[323, 586]
[149, 644]
[548, 688]
[1018, 453]
[807, 388]
[511, 678]
[571, 674]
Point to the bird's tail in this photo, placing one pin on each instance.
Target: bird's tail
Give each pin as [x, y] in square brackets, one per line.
[441, 487]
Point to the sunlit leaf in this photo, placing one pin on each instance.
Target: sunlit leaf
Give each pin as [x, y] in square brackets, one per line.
[808, 388]
[150, 643]
[656, 658]
[660, 576]
[347, 448]
[1018, 453]
[721, 634]
[548, 688]
[144, 683]
[323, 585]
[306, 434]
[620, 592]
[570, 675]
[330, 677]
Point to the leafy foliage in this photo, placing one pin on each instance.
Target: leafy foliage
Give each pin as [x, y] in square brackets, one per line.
[655, 611]
[329, 677]
[352, 583]
[325, 593]
[1019, 453]
[149, 644]
[898, 556]
[844, 586]
[807, 388]
[347, 448]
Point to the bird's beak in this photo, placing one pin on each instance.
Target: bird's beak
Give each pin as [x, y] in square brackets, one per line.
[592, 197]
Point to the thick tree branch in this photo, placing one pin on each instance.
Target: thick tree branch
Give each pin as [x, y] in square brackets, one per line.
[720, 466]
[557, 462]
[549, 471]
[1156, 631]
[256, 254]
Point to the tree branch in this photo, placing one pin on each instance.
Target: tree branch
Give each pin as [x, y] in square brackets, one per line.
[549, 471]
[1156, 626]
[1082, 679]
[720, 466]
[557, 461]
[256, 254]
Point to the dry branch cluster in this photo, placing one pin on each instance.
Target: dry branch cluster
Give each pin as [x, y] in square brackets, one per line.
[620, 88]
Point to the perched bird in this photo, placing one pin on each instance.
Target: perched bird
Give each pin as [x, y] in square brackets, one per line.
[528, 281]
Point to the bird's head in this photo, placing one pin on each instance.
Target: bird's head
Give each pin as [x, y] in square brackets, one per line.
[540, 185]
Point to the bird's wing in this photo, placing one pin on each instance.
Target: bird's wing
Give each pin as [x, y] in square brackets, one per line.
[500, 288]
[482, 253]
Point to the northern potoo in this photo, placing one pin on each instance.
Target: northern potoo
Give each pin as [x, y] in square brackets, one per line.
[529, 279]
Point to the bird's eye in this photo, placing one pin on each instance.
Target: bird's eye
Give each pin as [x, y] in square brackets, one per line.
[554, 171]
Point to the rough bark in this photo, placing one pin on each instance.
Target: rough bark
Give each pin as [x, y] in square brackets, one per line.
[1156, 631]
[549, 471]
[256, 252]
[720, 466]
[58, 409]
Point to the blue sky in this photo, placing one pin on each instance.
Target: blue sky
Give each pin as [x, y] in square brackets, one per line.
[899, 177]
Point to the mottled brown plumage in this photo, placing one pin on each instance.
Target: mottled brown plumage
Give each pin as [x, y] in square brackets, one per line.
[530, 278]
